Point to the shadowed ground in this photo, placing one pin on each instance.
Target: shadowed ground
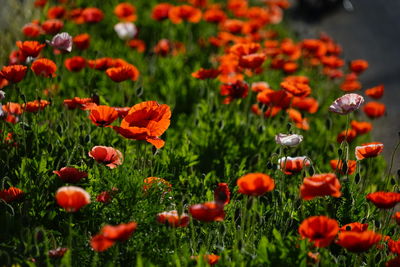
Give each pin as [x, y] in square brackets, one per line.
[371, 32]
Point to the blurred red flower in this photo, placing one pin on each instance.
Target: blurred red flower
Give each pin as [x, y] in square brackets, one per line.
[71, 174]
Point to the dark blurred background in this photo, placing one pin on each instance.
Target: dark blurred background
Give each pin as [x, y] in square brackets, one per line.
[366, 29]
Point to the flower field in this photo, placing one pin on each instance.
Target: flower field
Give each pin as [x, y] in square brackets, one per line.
[189, 133]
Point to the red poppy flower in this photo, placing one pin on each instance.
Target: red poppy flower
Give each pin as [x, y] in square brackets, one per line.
[338, 165]
[346, 135]
[71, 174]
[358, 241]
[30, 48]
[358, 66]
[36, 105]
[110, 234]
[52, 26]
[361, 127]
[259, 86]
[326, 184]
[355, 227]
[13, 73]
[103, 115]
[31, 30]
[320, 230]
[125, 12]
[368, 150]
[16, 58]
[178, 14]
[120, 74]
[215, 15]
[384, 200]
[211, 259]
[374, 109]
[375, 92]
[72, 198]
[92, 15]
[77, 102]
[101, 63]
[396, 216]
[138, 45]
[146, 121]
[12, 108]
[11, 194]
[203, 74]
[109, 156]
[350, 86]
[56, 12]
[82, 41]
[155, 182]
[173, 219]
[75, 64]
[222, 194]
[161, 11]
[252, 61]
[44, 67]
[208, 212]
[294, 165]
[279, 98]
[296, 88]
[307, 104]
[238, 89]
[255, 184]
[3, 83]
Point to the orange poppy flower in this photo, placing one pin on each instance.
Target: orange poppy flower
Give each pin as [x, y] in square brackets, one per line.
[12, 108]
[238, 89]
[173, 219]
[296, 88]
[368, 150]
[3, 83]
[332, 61]
[160, 11]
[44, 67]
[123, 73]
[259, 86]
[255, 184]
[241, 49]
[361, 127]
[203, 74]
[307, 104]
[52, 26]
[103, 115]
[71, 174]
[290, 165]
[125, 12]
[146, 121]
[159, 183]
[350, 86]
[208, 212]
[374, 109]
[110, 234]
[358, 65]
[101, 63]
[211, 259]
[279, 98]
[13, 73]
[36, 105]
[297, 118]
[16, 58]
[178, 14]
[82, 41]
[72, 198]
[346, 135]
[384, 200]
[375, 92]
[56, 12]
[109, 156]
[78, 102]
[319, 185]
[320, 230]
[30, 48]
[215, 15]
[75, 64]
[11, 194]
[31, 30]
[358, 241]
[338, 165]
[92, 15]
[222, 194]
[355, 227]
[137, 44]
